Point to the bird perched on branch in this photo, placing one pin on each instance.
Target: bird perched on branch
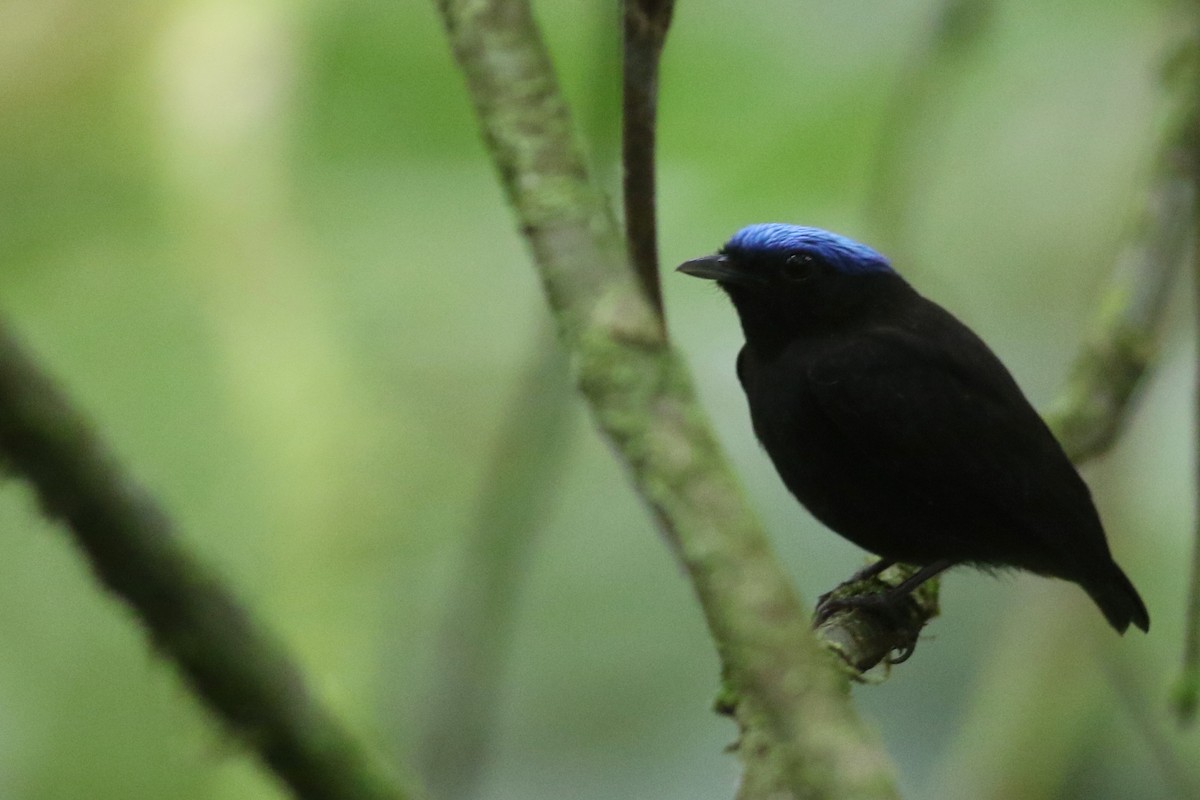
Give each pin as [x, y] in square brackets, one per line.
[897, 427]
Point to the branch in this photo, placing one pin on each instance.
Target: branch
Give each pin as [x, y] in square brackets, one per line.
[644, 28]
[643, 401]
[1090, 412]
[242, 674]
[1187, 688]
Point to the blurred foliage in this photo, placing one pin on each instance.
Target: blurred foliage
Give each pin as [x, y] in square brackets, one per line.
[259, 243]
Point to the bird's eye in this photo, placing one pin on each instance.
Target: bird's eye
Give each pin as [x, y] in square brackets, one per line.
[798, 267]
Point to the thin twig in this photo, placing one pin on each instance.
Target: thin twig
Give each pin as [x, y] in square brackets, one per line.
[784, 685]
[244, 676]
[645, 25]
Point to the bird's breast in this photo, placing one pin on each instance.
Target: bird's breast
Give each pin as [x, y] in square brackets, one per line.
[786, 418]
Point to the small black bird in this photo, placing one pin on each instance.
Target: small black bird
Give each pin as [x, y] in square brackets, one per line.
[896, 426]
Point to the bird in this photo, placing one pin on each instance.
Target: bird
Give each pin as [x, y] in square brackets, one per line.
[896, 426]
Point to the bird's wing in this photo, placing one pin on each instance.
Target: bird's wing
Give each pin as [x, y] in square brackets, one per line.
[945, 422]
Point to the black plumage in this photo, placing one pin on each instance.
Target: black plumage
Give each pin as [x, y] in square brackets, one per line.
[896, 426]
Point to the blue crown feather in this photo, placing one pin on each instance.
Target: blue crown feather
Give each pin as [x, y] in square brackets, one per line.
[777, 238]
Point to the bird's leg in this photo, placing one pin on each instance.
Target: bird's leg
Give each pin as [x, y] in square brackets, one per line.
[866, 573]
[923, 574]
[882, 602]
[871, 570]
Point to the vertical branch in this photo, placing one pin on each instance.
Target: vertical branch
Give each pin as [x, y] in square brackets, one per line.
[1186, 694]
[1187, 687]
[644, 31]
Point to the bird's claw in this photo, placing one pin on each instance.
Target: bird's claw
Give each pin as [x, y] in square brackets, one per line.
[881, 604]
[905, 653]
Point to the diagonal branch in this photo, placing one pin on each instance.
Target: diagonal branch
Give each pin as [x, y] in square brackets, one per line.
[786, 691]
[1112, 364]
[238, 669]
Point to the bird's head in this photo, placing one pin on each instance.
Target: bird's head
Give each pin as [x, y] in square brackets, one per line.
[783, 276]
[773, 255]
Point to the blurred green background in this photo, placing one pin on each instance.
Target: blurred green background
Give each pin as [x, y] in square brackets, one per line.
[261, 245]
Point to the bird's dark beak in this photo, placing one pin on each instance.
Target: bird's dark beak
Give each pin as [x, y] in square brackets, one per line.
[713, 268]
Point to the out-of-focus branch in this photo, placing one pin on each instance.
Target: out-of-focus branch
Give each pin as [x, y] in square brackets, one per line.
[1186, 695]
[644, 31]
[1187, 687]
[522, 479]
[783, 683]
[1089, 413]
[244, 676]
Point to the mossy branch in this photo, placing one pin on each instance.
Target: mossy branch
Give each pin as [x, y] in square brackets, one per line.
[642, 399]
[235, 666]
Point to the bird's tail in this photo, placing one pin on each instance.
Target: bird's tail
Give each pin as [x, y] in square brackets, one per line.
[1117, 598]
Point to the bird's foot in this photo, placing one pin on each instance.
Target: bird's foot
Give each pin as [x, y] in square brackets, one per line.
[892, 626]
[881, 597]
[895, 607]
[888, 605]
